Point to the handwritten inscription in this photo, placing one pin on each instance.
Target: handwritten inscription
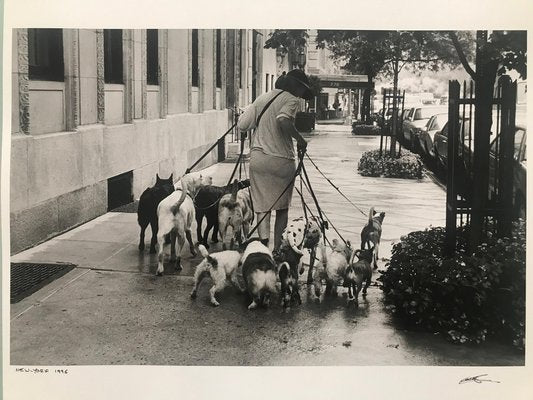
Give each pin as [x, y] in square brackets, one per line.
[476, 379]
[41, 370]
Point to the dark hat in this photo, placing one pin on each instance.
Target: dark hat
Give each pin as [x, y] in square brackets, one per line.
[298, 76]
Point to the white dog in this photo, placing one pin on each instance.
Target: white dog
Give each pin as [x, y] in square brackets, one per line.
[235, 210]
[175, 215]
[221, 266]
[335, 261]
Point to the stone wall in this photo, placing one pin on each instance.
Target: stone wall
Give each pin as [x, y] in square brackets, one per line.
[69, 137]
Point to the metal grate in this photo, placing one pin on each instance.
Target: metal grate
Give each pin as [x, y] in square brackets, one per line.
[27, 278]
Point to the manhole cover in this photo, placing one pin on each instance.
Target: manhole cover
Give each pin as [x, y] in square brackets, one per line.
[27, 278]
[127, 208]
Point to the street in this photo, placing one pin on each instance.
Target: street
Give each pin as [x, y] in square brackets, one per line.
[112, 309]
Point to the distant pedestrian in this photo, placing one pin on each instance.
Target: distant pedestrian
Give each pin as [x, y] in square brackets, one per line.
[272, 157]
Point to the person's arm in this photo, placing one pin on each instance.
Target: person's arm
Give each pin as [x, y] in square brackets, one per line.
[287, 127]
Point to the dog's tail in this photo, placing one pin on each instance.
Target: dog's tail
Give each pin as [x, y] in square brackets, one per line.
[174, 208]
[234, 190]
[371, 214]
[203, 251]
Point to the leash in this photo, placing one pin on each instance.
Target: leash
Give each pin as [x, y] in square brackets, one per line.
[330, 223]
[297, 172]
[335, 187]
[188, 170]
[311, 212]
[323, 223]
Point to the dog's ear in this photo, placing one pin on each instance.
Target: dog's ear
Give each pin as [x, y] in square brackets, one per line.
[171, 177]
[212, 261]
[157, 178]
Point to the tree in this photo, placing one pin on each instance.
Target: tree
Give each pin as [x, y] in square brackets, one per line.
[496, 53]
[288, 41]
[388, 52]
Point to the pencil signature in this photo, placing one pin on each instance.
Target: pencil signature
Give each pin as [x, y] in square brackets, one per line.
[476, 379]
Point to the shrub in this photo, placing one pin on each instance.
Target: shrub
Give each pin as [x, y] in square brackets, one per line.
[467, 298]
[407, 165]
[362, 129]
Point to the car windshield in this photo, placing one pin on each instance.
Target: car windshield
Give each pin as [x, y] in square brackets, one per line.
[438, 122]
[425, 113]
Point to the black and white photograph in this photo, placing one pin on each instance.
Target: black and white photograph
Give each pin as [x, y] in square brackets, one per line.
[218, 195]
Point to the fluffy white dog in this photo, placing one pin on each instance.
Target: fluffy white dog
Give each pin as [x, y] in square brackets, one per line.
[235, 210]
[221, 267]
[335, 261]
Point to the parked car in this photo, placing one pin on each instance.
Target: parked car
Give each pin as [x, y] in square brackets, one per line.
[416, 119]
[440, 148]
[426, 135]
[440, 141]
[519, 169]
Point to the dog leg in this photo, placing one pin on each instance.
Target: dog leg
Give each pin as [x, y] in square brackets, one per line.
[160, 253]
[199, 274]
[141, 238]
[180, 244]
[206, 234]
[376, 257]
[367, 284]
[173, 253]
[312, 256]
[212, 292]
[199, 218]
[154, 228]
[189, 239]
[214, 236]
[357, 289]
[253, 305]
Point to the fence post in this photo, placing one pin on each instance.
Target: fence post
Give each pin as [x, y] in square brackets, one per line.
[506, 173]
[451, 189]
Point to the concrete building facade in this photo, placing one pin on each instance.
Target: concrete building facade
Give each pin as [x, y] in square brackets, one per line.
[99, 112]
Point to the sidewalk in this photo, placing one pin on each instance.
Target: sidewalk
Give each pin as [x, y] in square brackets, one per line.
[112, 309]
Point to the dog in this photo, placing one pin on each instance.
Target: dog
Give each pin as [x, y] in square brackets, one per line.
[206, 205]
[235, 210]
[175, 215]
[357, 273]
[334, 265]
[258, 270]
[221, 267]
[298, 234]
[371, 233]
[147, 209]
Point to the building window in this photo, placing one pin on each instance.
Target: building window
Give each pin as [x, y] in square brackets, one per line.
[152, 57]
[113, 56]
[240, 57]
[272, 81]
[267, 82]
[219, 58]
[194, 67]
[45, 55]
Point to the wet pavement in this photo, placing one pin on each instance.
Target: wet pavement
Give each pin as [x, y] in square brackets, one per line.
[112, 309]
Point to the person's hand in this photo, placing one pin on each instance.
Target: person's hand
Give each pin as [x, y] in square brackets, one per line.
[301, 147]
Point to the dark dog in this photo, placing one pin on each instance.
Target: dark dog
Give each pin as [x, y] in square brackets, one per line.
[206, 205]
[371, 233]
[359, 272]
[259, 273]
[147, 210]
[289, 262]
